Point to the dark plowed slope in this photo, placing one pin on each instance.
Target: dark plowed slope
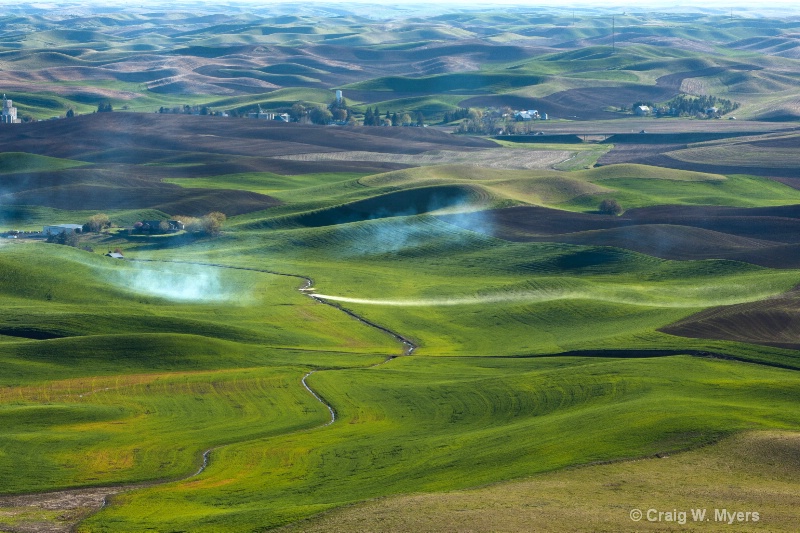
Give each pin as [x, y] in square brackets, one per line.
[106, 187]
[592, 103]
[171, 199]
[394, 204]
[103, 136]
[581, 104]
[773, 322]
[570, 104]
[633, 153]
[768, 236]
[719, 168]
[133, 153]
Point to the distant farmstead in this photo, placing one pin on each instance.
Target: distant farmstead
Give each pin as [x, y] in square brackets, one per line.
[159, 226]
[62, 228]
[260, 114]
[9, 113]
[263, 115]
[642, 110]
[527, 115]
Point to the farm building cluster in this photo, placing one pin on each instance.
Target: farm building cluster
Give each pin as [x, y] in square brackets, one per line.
[526, 115]
[145, 226]
[57, 229]
[9, 112]
[158, 226]
[263, 115]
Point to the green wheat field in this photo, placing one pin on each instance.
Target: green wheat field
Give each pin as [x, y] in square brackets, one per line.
[399, 328]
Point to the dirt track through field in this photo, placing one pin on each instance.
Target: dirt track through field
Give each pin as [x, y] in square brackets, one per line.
[307, 289]
[691, 297]
[75, 505]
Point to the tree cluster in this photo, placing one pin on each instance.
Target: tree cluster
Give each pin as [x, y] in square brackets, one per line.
[610, 206]
[105, 107]
[313, 115]
[374, 118]
[185, 110]
[320, 115]
[66, 238]
[298, 112]
[97, 223]
[687, 105]
[452, 116]
[478, 122]
[335, 111]
[210, 224]
[520, 128]
[684, 105]
[339, 110]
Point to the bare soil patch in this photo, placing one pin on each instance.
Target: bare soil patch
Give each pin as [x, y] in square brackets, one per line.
[106, 187]
[578, 104]
[162, 196]
[632, 153]
[133, 153]
[773, 322]
[51, 512]
[88, 135]
[754, 470]
[505, 158]
[719, 167]
[630, 124]
[767, 236]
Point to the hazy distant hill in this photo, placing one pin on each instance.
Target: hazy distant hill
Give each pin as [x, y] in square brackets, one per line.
[571, 64]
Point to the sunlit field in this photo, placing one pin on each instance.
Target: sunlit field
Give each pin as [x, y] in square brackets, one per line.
[453, 320]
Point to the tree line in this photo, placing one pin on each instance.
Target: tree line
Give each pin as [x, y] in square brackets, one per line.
[458, 114]
[374, 118]
[684, 105]
[210, 224]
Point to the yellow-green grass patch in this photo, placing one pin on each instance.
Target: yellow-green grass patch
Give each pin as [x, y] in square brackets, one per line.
[433, 425]
[752, 472]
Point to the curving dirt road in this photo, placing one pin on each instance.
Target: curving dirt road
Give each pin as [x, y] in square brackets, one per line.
[75, 505]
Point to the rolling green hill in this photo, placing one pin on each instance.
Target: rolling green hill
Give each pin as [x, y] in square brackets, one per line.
[401, 419]
[397, 322]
